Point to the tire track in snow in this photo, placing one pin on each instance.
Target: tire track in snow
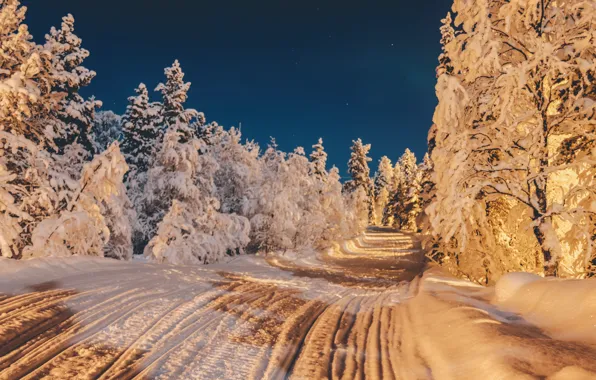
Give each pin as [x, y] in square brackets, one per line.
[129, 323]
[106, 312]
[193, 334]
[128, 363]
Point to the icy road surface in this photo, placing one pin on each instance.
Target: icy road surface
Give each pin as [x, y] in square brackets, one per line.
[360, 310]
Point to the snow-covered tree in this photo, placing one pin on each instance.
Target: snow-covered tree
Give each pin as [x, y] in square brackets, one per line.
[275, 213]
[238, 168]
[25, 73]
[360, 173]
[519, 101]
[94, 221]
[141, 140]
[356, 212]
[333, 205]
[141, 130]
[382, 182]
[183, 208]
[318, 161]
[404, 206]
[74, 112]
[106, 129]
[427, 190]
[27, 195]
[447, 35]
[174, 94]
[396, 189]
[410, 199]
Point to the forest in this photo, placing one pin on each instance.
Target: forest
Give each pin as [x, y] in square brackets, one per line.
[508, 183]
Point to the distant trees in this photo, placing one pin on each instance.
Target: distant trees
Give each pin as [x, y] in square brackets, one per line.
[160, 180]
[200, 193]
[382, 187]
[360, 173]
[107, 128]
[404, 205]
[318, 159]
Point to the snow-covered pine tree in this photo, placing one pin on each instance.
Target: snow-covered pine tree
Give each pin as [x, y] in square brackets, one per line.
[238, 168]
[392, 209]
[360, 173]
[25, 72]
[318, 161]
[356, 212]
[427, 188]
[410, 200]
[94, 221]
[69, 76]
[273, 209]
[141, 131]
[174, 94]
[183, 208]
[107, 128]
[27, 195]
[403, 208]
[333, 205]
[382, 182]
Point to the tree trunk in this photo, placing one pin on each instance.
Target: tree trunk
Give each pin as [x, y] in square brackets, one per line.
[551, 265]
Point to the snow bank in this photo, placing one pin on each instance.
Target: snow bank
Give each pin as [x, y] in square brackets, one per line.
[463, 331]
[565, 309]
[510, 284]
[15, 275]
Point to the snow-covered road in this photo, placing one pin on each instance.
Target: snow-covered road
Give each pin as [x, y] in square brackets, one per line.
[357, 311]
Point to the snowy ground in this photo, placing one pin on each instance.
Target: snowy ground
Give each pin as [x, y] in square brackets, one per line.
[360, 310]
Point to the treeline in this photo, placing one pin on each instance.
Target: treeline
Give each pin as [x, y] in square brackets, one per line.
[159, 181]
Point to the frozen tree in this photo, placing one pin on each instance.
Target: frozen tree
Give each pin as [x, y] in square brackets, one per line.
[410, 197]
[238, 168]
[141, 140]
[427, 189]
[333, 205]
[382, 182]
[69, 76]
[106, 129]
[93, 221]
[174, 94]
[412, 204]
[357, 212]
[141, 132]
[447, 35]
[27, 194]
[183, 208]
[403, 208]
[275, 212]
[360, 173]
[26, 80]
[318, 161]
[519, 101]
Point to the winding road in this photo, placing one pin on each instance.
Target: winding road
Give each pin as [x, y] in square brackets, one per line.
[342, 314]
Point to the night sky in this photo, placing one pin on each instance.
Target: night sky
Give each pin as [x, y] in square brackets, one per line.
[296, 70]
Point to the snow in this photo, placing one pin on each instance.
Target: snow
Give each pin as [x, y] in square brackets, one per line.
[340, 313]
[509, 285]
[566, 309]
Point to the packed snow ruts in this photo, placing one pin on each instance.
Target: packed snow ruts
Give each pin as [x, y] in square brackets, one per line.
[248, 319]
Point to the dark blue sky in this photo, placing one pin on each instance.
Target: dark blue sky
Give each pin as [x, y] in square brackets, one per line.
[296, 70]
